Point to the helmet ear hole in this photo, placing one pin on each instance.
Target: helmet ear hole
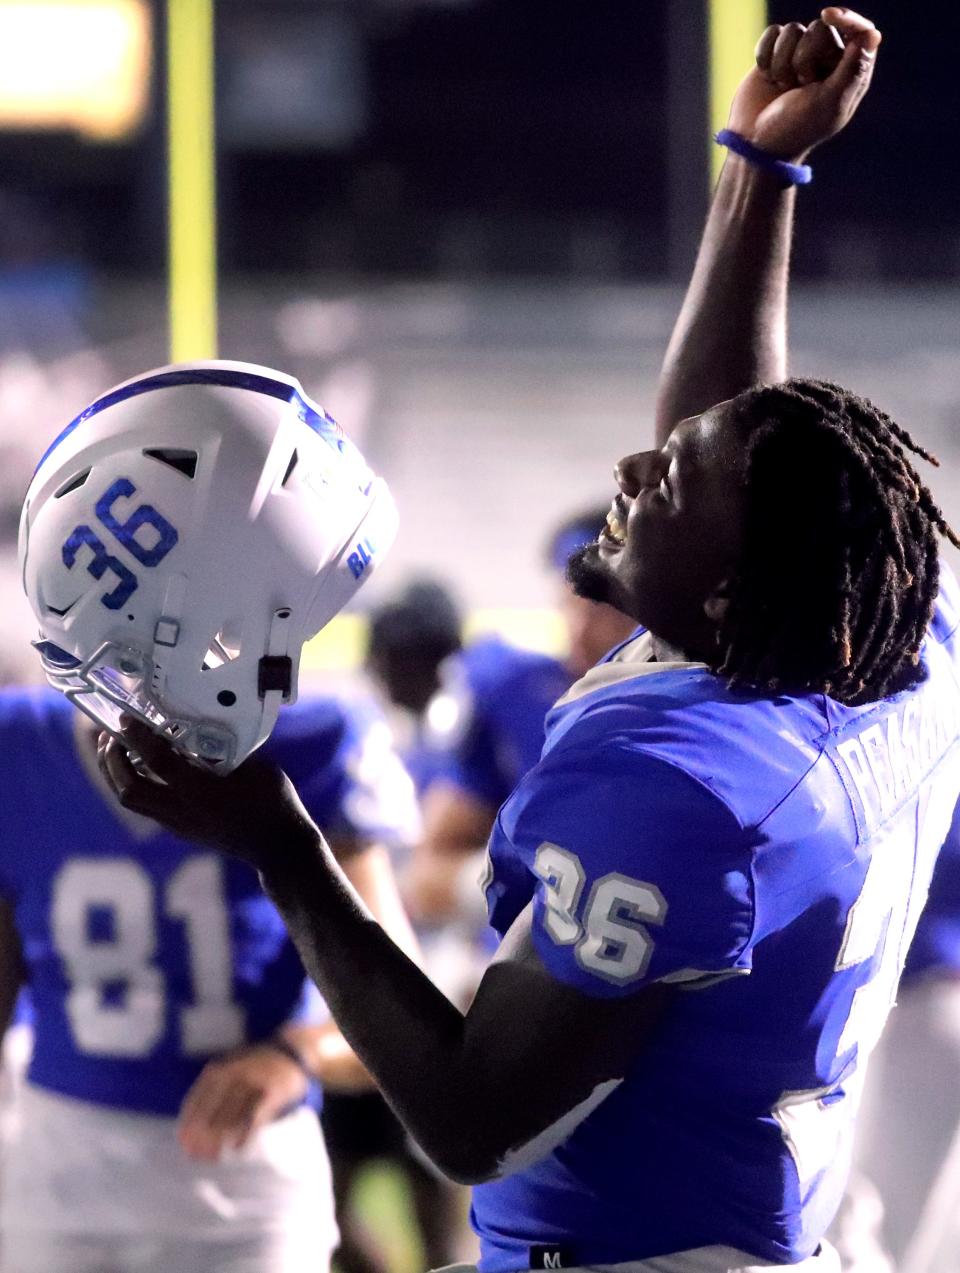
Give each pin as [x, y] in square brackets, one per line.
[290, 467]
[73, 484]
[184, 462]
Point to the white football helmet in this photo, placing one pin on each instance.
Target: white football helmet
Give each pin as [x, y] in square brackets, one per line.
[180, 541]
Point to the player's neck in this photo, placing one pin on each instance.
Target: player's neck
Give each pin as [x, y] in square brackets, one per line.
[664, 652]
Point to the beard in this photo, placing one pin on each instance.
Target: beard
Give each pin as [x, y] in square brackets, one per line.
[588, 577]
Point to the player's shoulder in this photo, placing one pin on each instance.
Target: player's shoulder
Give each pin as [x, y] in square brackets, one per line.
[36, 740]
[746, 750]
[33, 711]
[490, 665]
[317, 723]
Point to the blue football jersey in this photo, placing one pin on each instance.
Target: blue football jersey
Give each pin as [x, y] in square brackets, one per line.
[147, 955]
[769, 856]
[424, 759]
[487, 722]
[936, 946]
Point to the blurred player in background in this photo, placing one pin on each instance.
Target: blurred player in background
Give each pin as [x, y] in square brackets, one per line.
[164, 1124]
[618, 1119]
[410, 635]
[470, 721]
[485, 730]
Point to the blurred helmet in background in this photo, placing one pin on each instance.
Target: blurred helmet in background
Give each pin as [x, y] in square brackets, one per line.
[180, 541]
[409, 635]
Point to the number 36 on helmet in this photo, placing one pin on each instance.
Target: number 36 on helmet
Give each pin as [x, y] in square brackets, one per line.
[180, 541]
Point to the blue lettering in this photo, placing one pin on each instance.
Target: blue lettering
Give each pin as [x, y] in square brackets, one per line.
[360, 558]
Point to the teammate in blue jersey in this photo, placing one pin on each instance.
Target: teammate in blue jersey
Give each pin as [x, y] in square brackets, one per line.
[708, 885]
[409, 636]
[170, 1006]
[485, 730]
[488, 722]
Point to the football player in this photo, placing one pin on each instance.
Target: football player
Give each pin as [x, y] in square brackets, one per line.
[181, 539]
[166, 1121]
[901, 1207]
[707, 886]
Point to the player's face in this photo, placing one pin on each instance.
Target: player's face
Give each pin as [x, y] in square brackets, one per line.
[673, 533]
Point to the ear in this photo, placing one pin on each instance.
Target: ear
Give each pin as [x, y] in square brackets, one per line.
[717, 603]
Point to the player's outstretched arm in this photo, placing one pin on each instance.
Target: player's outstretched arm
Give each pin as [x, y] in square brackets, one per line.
[474, 1090]
[732, 329]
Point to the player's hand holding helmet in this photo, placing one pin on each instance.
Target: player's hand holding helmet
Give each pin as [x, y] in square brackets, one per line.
[180, 541]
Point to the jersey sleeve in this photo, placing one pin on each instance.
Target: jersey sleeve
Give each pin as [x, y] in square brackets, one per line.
[462, 740]
[23, 788]
[641, 874]
[8, 841]
[471, 764]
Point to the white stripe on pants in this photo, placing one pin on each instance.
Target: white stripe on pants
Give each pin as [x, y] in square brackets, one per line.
[706, 1259]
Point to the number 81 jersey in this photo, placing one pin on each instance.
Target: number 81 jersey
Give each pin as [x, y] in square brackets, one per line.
[770, 858]
[146, 955]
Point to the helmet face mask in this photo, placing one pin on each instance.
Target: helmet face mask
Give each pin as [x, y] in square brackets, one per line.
[181, 540]
[114, 682]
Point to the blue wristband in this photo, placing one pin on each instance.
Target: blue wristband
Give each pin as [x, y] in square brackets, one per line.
[792, 174]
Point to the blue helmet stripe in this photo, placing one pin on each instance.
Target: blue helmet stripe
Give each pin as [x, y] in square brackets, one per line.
[309, 412]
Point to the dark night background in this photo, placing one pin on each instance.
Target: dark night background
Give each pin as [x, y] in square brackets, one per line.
[499, 137]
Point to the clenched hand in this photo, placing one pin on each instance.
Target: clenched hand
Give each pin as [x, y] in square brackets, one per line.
[807, 84]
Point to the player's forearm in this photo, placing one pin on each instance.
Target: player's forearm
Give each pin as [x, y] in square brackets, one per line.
[404, 1030]
[732, 329]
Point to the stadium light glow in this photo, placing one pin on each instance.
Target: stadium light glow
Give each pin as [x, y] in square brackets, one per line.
[191, 177]
[81, 65]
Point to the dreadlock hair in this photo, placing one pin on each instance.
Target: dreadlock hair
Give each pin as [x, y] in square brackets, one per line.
[839, 569]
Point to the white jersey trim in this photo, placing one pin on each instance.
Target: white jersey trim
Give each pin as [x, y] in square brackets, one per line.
[635, 658]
